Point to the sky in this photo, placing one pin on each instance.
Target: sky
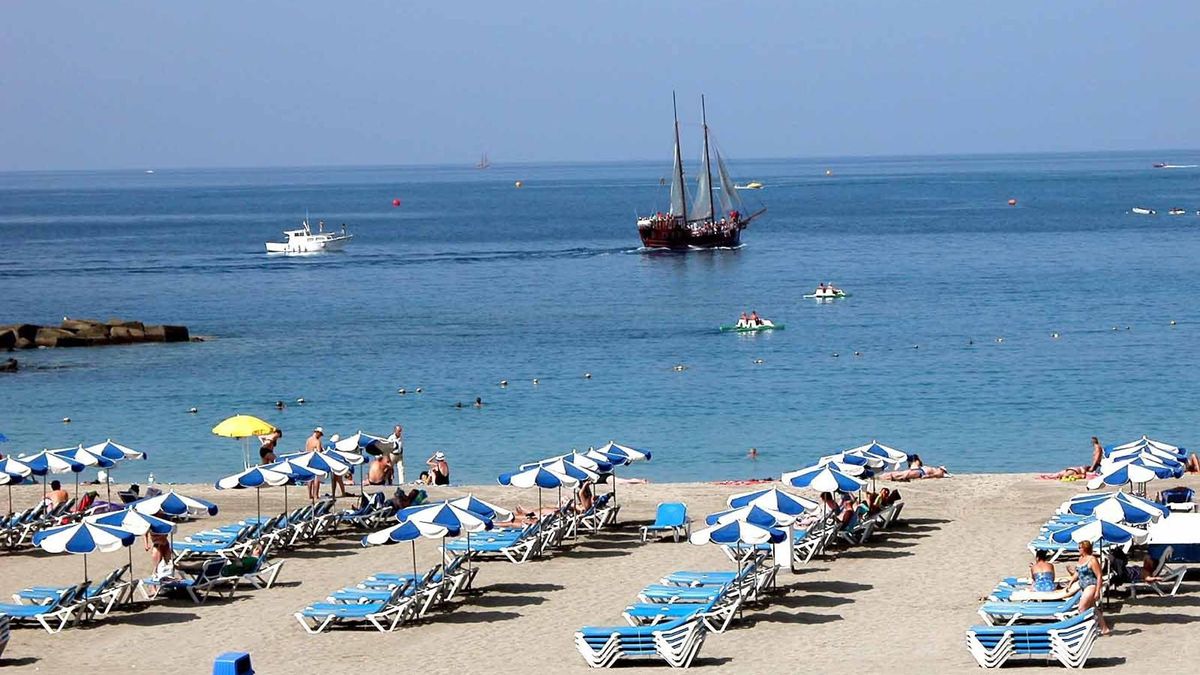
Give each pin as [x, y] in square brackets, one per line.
[129, 84]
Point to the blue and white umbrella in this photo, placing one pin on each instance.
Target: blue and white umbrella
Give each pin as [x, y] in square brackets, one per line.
[321, 463]
[1147, 443]
[595, 462]
[360, 443]
[1115, 505]
[478, 506]
[409, 531]
[256, 477]
[86, 458]
[869, 462]
[751, 514]
[850, 469]
[83, 538]
[1099, 530]
[115, 451]
[738, 533]
[540, 477]
[174, 504]
[623, 454]
[131, 521]
[1130, 471]
[824, 478]
[773, 499]
[13, 472]
[447, 515]
[48, 461]
[876, 449]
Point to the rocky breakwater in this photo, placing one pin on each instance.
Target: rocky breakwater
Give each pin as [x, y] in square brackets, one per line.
[88, 333]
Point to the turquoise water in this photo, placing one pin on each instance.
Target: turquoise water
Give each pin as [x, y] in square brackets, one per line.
[471, 281]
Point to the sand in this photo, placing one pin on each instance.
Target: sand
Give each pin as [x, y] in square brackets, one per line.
[899, 604]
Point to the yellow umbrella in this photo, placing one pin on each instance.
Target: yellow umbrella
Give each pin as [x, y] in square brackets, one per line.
[243, 427]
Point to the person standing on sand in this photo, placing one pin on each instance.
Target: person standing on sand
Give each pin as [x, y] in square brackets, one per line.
[1088, 573]
[313, 444]
[397, 441]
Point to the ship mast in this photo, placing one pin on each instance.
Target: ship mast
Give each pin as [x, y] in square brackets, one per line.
[712, 205]
[679, 160]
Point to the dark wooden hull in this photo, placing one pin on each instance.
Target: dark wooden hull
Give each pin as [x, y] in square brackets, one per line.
[667, 235]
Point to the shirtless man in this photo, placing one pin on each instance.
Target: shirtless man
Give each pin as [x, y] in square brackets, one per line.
[57, 494]
[380, 472]
[313, 444]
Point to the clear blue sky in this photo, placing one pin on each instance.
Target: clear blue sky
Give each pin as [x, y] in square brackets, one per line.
[160, 84]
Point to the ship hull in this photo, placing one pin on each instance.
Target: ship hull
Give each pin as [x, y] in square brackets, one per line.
[683, 238]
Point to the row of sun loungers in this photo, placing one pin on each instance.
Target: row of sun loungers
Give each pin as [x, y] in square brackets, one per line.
[300, 526]
[519, 545]
[18, 529]
[386, 600]
[54, 607]
[672, 618]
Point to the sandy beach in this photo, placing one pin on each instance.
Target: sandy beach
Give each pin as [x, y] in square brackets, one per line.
[899, 604]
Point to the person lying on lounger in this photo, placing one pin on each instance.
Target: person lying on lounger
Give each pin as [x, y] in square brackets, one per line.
[916, 470]
[1081, 472]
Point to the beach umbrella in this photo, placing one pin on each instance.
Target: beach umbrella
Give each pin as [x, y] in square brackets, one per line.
[254, 477]
[47, 462]
[823, 478]
[296, 475]
[174, 504]
[364, 443]
[13, 472]
[83, 538]
[1144, 451]
[116, 452]
[322, 462]
[1101, 530]
[773, 499]
[477, 506]
[540, 477]
[86, 458]
[869, 462]
[621, 455]
[243, 427]
[856, 470]
[1145, 442]
[877, 449]
[1112, 503]
[756, 515]
[447, 515]
[595, 462]
[1130, 471]
[131, 521]
[410, 532]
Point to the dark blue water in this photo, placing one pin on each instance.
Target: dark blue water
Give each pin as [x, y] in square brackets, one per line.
[471, 281]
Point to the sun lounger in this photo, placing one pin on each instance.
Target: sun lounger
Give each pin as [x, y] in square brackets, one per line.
[676, 642]
[671, 517]
[1069, 641]
[1168, 578]
[1008, 613]
[100, 597]
[198, 588]
[384, 615]
[55, 614]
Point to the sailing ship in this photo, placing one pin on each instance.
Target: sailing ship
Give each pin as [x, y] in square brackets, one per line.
[700, 225]
[483, 162]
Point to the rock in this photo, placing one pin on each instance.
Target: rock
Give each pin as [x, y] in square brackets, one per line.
[80, 325]
[22, 343]
[27, 331]
[49, 337]
[8, 339]
[167, 333]
[113, 323]
[8, 366]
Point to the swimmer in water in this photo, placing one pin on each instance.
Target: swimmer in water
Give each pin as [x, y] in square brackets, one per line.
[458, 404]
[478, 402]
[753, 454]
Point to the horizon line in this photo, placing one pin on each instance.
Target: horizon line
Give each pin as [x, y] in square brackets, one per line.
[576, 162]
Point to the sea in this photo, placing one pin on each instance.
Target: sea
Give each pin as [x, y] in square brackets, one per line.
[983, 336]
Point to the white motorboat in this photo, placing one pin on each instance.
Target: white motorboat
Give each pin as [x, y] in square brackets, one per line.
[1177, 212]
[306, 242]
[1142, 211]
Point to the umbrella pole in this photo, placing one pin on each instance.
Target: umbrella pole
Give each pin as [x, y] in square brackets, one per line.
[258, 503]
[85, 578]
[468, 587]
[414, 556]
[10, 497]
[131, 577]
[108, 487]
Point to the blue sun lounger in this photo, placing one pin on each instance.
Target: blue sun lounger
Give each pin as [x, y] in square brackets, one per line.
[672, 518]
[676, 642]
[56, 613]
[101, 597]
[384, 615]
[1069, 641]
[1008, 613]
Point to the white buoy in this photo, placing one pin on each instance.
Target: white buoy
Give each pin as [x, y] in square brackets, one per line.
[535, 380]
[1172, 322]
[402, 391]
[66, 420]
[916, 346]
[1055, 335]
[300, 400]
[835, 355]
[758, 362]
[503, 383]
[587, 376]
[858, 353]
[679, 367]
[193, 410]
[419, 390]
[999, 340]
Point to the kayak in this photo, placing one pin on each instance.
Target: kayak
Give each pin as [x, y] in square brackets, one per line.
[733, 328]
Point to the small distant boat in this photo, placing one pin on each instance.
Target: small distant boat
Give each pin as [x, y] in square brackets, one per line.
[1142, 211]
[306, 242]
[483, 162]
[750, 327]
[1177, 212]
[827, 292]
[1160, 165]
[752, 185]
[1164, 165]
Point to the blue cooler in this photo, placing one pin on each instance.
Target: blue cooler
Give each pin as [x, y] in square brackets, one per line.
[233, 663]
